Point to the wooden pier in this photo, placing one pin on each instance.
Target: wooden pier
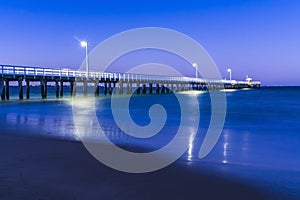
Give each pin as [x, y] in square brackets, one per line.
[112, 83]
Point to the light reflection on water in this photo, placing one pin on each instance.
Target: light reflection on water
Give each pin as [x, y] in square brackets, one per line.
[44, 118]
[260, 130]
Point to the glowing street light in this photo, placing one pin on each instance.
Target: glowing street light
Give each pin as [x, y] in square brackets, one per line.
[229, 71]
[85, 44]
[195, 65]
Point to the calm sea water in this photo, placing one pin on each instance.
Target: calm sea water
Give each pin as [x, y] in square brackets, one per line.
[260, 142]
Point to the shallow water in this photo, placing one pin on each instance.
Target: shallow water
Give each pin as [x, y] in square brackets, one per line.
[260, 142]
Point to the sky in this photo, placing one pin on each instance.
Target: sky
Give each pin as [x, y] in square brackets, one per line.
[259, 38]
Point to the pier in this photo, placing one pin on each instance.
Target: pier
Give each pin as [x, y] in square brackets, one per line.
[112, 83]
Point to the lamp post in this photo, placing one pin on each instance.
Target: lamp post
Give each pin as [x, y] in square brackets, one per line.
[229, 71]
[85, 44]
[195, 65]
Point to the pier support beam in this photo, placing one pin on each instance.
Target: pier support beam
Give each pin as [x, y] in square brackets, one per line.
[130, 88]
[7, 89]
[105, 88]
[109, 88]
[85, 88]
[162, 88]
[61, 88]
[27, 89]
[150, 88]
[168, 88]
[138, 88]
[121, 87]
[2, 89]
[144, 89]
[96, 88]
[56, 89]
[73, 88]
[44, 89]
[157, 88]
[114, 88]
[20, 88]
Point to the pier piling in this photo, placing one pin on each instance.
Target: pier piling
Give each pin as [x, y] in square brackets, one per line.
[85, 88]
[162, 88]
[114, 88]
[20, 88]
[150, 88]
[138, 88]
[120, 87]
[44, 89]
[61, 88]
[105, 88]
[2, 89]
[168, 88]
[27, 89]
[144, 89]
[109, 88]
[130, 88]
[56, 89]
[73, 88]
[96, 88]
[157, 88]
[7, 89]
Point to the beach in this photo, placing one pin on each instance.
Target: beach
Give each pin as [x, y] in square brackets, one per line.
[40, 168]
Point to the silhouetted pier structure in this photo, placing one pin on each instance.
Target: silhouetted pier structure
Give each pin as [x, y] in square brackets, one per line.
[112, 83]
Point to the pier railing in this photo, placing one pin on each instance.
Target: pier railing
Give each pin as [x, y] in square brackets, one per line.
[9, 70]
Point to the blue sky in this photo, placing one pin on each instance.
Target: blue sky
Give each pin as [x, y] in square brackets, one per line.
[258, 38]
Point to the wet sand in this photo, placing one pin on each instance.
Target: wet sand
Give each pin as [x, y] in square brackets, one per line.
[47, 168]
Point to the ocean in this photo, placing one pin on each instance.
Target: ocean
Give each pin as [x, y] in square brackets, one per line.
[259, 144]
